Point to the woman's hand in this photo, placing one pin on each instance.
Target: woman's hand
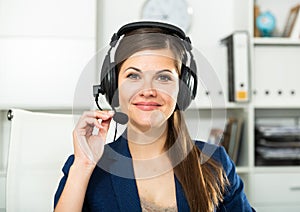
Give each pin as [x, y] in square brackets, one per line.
[88, 149]
[89, 142]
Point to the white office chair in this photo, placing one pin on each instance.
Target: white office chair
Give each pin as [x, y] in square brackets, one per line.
[39, 145]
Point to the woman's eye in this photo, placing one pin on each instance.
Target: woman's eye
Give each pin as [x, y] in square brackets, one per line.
[164, 78]
[133, 76]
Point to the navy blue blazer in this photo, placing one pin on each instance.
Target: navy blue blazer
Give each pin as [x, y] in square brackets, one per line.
[110, 192]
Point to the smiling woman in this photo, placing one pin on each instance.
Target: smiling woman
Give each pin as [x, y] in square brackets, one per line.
[155, 163]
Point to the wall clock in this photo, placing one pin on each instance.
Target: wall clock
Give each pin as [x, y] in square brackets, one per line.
[176, 12]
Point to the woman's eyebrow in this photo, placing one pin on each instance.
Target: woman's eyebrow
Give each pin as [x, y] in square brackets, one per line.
[134, 68]
[139, 70]
[164, 70]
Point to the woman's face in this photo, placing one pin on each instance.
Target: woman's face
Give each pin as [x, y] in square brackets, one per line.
[148, 86]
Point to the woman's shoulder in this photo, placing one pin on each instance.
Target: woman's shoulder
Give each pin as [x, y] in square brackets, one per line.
[216, 152]
[210, 149]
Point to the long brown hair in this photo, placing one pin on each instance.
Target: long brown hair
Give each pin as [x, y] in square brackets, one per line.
[203, 184]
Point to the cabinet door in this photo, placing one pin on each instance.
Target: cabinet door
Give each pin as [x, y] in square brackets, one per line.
[275, 76]
[276, 208]
[275, 188]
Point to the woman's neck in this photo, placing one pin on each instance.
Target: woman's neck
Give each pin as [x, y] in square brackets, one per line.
[148, 153]
[146, 144]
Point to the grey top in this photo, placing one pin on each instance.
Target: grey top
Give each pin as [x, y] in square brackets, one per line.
[148, 206]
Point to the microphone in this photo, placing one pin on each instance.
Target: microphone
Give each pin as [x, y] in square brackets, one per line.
[120, 118]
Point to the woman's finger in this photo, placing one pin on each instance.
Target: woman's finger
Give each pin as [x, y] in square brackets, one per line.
[91, 118]
[83, 123]
[99, 114]
[104, 129]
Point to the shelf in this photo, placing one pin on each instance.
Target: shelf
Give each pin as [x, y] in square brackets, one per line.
[277, 169]
[228, 105]
[242, 169]
[276, 41]
[276, 106]
[232, 105]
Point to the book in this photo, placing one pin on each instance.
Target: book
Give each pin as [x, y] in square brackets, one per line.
[295, 32]
[231, 137]
[225, 142]
[291, 22]
[237, 136]
[238, 62]
[256, 13]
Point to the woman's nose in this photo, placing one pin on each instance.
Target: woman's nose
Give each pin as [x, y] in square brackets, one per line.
[149, 92]
[148, 89]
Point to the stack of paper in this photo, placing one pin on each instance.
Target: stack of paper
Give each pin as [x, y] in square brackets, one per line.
[277, 143]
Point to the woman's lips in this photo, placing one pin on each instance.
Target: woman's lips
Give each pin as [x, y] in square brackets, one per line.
[147, 106]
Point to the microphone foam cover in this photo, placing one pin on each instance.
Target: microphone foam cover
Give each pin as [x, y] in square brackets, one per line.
[120, 118]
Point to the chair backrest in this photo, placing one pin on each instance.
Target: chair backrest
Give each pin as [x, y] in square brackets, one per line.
[39, 145]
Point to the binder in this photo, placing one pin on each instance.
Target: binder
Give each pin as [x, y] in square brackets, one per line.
[238, 61]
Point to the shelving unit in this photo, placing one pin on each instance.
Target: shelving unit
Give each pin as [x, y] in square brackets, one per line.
[275, 94]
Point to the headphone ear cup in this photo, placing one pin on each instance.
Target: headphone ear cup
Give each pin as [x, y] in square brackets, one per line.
[186, 87]
[113, 93]
[109, 82]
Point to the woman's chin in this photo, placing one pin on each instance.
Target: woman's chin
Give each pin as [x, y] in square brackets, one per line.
[147, 121]
[146, 125]
[146, 130]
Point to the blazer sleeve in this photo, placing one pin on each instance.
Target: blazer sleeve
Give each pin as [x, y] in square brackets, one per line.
[235, 198]
[62, 183]
[65, 170]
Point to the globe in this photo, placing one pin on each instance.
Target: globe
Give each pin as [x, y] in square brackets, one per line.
[266, 23]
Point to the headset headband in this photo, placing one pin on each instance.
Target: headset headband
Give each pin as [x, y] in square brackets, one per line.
[171, 29]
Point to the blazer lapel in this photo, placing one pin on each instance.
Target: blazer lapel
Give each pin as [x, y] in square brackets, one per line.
[122, 177]
[126, 193]
[182, 204]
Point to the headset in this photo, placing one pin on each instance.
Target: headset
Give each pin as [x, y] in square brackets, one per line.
[109, 73]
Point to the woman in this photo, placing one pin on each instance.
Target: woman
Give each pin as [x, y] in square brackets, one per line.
[165, 170]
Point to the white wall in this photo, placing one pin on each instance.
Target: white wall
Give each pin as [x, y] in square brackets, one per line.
[44, 46]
